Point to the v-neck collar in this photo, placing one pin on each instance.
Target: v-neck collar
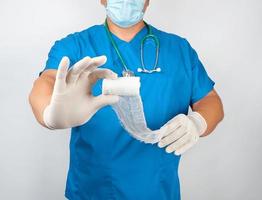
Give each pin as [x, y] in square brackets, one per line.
[136, 39]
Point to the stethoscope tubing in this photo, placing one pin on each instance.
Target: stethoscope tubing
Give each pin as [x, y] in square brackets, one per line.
[142, 69]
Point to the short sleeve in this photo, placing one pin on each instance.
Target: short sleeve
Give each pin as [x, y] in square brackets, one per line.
[202, 84]
[64, 47]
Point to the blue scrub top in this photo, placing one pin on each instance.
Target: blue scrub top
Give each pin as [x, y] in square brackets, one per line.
[106, 163]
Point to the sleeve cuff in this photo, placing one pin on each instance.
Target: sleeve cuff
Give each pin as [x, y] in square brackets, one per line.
[203, 92]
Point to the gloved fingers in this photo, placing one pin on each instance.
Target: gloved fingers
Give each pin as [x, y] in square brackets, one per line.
[172, 137]
[177, 144]
[78, 68]
[174, 123]
[62, 68]
[177, 118]
[185, 147]
[96, 62]
[61, 74]
[101, 74]
[103, 100]
[193, 137]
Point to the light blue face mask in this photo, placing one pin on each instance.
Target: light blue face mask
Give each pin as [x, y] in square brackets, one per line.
[125, 13]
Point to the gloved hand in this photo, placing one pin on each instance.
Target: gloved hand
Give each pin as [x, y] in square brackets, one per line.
[182, 132]
[72, 103]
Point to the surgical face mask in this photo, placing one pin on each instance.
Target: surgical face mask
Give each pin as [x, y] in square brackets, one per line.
[125, 13]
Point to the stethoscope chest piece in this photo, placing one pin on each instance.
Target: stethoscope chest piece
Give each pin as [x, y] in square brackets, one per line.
[128, 73]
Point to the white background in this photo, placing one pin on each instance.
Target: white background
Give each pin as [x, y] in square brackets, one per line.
[227, 36]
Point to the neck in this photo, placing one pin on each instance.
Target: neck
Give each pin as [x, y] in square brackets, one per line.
[126, 34]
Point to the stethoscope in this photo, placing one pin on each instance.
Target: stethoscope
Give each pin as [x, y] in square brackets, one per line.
[127, 72]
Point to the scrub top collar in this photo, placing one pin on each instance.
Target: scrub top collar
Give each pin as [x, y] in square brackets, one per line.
[136, 40]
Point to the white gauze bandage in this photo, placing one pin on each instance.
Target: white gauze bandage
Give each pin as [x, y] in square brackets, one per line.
[129, 108]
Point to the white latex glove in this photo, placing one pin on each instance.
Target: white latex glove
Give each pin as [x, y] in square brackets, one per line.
[182, 132]
[72, 103]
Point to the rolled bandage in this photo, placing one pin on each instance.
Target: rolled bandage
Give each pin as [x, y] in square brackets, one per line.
[129, 108]
[123, 86]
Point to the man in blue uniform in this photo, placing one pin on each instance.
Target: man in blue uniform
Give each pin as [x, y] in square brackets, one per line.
[105, 161]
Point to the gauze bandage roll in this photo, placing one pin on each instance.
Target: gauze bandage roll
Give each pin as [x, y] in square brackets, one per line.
[123, 86]
[129, 108]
